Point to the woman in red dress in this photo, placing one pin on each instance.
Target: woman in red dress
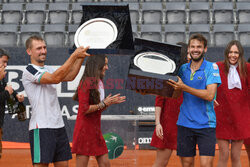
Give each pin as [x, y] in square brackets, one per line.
[166, 116]
[233, 112]
[247, 141]
[87, 138]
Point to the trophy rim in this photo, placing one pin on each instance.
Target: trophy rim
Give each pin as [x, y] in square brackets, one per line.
[93, 21]
[163, 56]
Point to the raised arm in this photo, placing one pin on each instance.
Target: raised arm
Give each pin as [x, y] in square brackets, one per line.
[60, 74]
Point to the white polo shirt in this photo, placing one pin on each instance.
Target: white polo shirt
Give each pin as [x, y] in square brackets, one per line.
[43, 98]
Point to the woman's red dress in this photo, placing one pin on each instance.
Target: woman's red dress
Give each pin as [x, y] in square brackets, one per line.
[87, 138]
[170, 109]
[233, 112]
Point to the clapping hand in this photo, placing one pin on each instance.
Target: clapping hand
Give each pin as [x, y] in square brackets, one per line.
[115, 99]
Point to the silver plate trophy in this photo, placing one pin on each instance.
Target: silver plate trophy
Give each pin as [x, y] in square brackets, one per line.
[154, 62]
[97, 33]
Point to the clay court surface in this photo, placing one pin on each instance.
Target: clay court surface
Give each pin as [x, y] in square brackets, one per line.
[129, 158]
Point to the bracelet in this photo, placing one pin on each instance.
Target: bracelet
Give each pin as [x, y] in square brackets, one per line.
[157, 124]
[101, 106]
[103, 103]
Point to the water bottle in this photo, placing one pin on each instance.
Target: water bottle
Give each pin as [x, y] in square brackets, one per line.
[12, 105]
[21, 112]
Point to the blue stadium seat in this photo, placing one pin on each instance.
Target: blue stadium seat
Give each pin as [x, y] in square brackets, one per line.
[244, 34]
[176, 12]
[243, 10]
[8, 35]
[35, 13]
[27, 30]
[54, 35]
[175, 33]
[151, 32]
[199, 12]
[12, 13]
[223, 33]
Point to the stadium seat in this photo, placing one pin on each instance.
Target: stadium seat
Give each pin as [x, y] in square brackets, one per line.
[134, 12]
[199, 12]
[16, 1]
[8, 35]
[64, 1]
[71, 33]
[176, 12]
[39, 1]
[199, 0]
[203, 29]
[129, 0]
[54, 34]
[12, 13]
[223, 12]
[76, 13]
[27, 30]
[175, 33]
[151, 32]
[35, 13]
[242, 0]
[223, 33]
[58, 13]
[152, 0]
[152, 13]
[222, 0]
[85, 0]
[243, 10]
[107, 0]
[244, 34]
[176, 0]
[135, 30]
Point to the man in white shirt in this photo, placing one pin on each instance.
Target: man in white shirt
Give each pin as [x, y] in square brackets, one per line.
[48, 139]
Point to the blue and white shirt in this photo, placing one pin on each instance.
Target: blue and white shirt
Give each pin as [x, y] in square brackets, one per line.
[195, 112]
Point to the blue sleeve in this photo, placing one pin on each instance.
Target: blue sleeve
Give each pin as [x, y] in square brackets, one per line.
[213, 75]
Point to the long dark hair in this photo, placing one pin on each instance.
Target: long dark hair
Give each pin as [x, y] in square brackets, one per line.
[241, 60]
[92, 73]
[184, 52]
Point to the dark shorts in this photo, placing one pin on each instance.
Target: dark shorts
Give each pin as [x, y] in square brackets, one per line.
[49, 145]
[187, 138]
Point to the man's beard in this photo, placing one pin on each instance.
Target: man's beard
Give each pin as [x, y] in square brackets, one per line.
[41, 61]
[199, 58]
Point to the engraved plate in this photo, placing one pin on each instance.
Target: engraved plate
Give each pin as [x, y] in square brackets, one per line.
[154, 62]
[97, 33]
